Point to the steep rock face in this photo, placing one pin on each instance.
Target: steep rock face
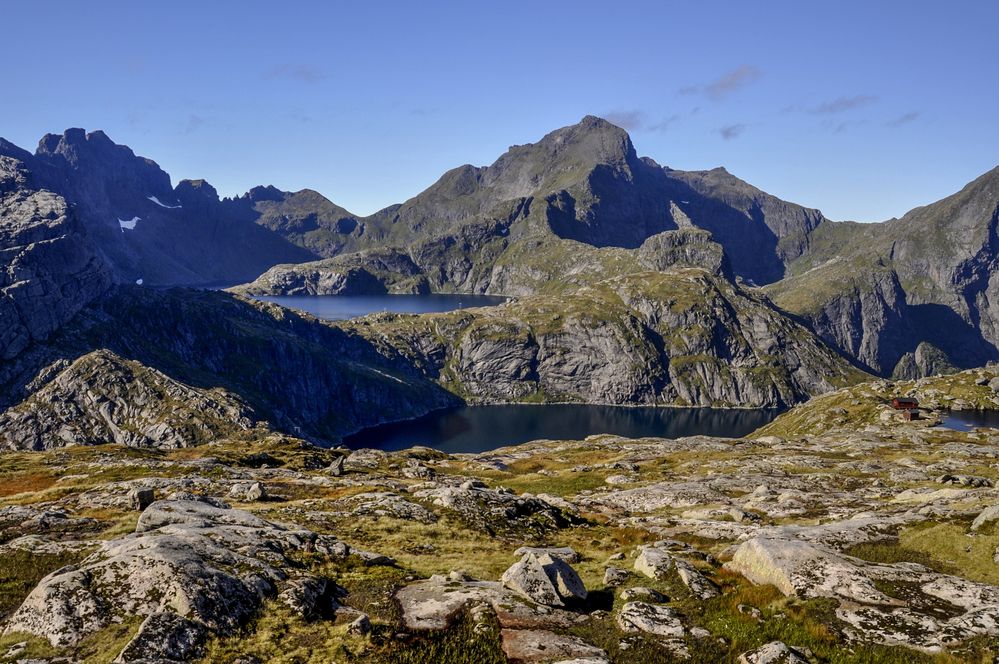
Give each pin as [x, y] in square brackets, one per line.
[50, 270]
[760, 232]
[863, 312]
[302, 376]
[683, 338]
[101, 398]
[945, 259]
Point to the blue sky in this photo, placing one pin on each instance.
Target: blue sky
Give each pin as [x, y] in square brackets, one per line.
[862, 109]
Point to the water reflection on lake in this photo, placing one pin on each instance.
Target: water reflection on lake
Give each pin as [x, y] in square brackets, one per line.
[483, 428]
[343, 307]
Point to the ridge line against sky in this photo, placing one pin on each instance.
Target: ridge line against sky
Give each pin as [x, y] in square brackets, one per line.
[863, 112]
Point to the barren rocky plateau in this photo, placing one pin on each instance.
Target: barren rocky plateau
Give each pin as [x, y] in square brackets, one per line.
[838, 533]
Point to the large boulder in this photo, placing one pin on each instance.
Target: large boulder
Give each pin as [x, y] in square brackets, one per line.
[544, 579]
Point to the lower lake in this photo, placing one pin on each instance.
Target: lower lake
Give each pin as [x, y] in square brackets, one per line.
[343, 307]
[483, 428]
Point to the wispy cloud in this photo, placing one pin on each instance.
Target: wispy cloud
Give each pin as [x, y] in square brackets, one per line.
[725, 84]
[632, 120]
[728, 132]
[903, 119]
[303, 72]
[638, 120]
[732, 81]
[665, 123]
[843, 104]
[194, 122]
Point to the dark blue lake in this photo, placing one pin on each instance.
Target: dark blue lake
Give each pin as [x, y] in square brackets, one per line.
[483, 428]
[343, 307]
[968, 420]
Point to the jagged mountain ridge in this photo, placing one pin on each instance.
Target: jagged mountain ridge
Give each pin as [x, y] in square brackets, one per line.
[585, 182]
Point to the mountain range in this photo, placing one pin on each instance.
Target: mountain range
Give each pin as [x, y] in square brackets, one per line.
[634, 283]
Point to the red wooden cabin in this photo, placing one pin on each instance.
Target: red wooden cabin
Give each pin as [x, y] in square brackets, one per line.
[904, 403]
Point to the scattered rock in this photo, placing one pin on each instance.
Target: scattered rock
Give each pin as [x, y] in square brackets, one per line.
[615, 576]
[248, 492]
[360, 625]
[985, 517]
[965, 480]
[336, 468]
[641, 593]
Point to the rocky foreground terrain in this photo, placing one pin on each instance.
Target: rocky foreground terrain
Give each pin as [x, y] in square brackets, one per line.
[838, 533]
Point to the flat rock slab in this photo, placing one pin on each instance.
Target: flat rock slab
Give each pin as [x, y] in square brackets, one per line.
[650, 619]
[929, 611]
[438, 603]
[774, 652]
[529, 646]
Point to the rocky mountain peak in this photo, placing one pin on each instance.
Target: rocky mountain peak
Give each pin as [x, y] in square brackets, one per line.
[265, 193]
[192, 189]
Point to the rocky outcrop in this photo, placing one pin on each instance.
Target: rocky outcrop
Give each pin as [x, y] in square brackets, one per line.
[683, 338]
[926, 360]
[101, 398]
[189, 568]
[960, 609]
[51, 270]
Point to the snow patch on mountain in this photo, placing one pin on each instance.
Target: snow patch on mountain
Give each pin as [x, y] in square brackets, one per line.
[162, 204]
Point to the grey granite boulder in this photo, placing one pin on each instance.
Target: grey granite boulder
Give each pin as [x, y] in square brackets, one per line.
[544, 580]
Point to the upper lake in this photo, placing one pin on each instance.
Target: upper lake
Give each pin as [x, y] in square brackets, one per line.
[343, 307]
[483, 428]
